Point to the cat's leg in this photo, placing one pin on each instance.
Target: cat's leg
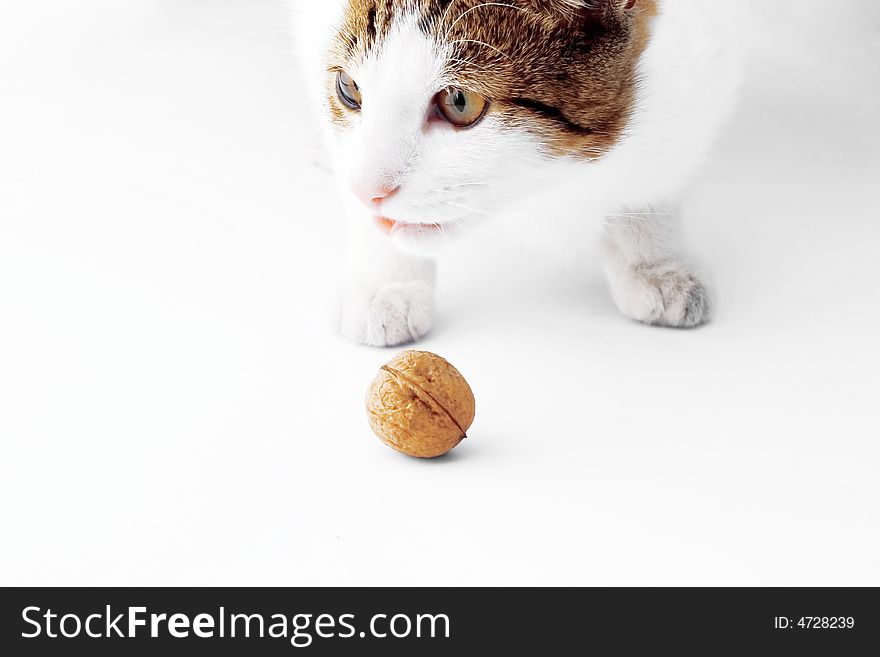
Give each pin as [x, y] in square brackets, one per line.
[388, 296]
[650, 280]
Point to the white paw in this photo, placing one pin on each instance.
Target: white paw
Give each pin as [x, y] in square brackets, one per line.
[663, 294]
[394, 314]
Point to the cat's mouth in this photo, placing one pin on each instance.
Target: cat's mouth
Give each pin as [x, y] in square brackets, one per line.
[416, 237]
[411, 229]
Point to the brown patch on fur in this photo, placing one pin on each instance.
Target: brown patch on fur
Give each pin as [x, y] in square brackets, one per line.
[565, 71]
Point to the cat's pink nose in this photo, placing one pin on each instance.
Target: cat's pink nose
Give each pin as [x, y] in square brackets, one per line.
[373, 195]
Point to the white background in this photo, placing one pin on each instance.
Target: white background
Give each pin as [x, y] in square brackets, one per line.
[175, 407]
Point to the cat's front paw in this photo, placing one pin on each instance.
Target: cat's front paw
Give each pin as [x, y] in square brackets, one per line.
[394, 314]
[663, 294]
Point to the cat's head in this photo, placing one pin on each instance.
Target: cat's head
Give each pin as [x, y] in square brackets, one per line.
[448, 111]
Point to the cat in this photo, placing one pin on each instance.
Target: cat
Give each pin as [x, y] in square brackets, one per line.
[537, 117]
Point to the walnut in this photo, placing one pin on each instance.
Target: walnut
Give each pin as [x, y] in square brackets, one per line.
[420, 405]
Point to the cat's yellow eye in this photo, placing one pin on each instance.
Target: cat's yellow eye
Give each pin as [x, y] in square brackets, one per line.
[348, 90]
[461, 108]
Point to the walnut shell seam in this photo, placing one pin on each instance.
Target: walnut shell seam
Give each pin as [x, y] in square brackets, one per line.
[415, 386]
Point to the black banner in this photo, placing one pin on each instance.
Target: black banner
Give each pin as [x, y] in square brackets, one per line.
[171, 622]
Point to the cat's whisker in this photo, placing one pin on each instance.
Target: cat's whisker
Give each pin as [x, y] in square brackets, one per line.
[464, 207]
[481, 43]
[638, 214]
[480, 6]
[624, 219]
[446, 12]
[458, 60]
[480, 184]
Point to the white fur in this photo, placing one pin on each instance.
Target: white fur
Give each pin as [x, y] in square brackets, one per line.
[459, 179]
